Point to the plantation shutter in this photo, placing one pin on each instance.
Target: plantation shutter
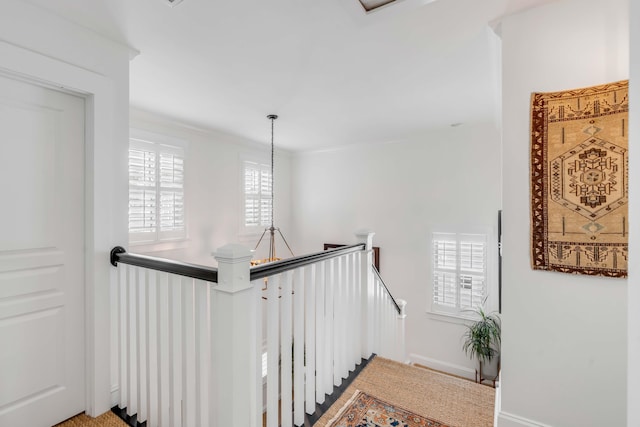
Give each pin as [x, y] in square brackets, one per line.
[142, 191]
[459, 270]
[257, 194]
[444, 272]
[156, 192]
[472, 274]
[171, 188]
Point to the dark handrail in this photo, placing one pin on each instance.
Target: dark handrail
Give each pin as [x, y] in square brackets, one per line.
[266, 270]
[377, 273]
[208, 274]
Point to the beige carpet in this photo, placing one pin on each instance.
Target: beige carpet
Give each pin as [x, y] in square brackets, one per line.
[457, 402]
[105, 420]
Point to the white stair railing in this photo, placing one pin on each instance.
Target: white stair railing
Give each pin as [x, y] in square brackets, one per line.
[191, 348]
[164, 342]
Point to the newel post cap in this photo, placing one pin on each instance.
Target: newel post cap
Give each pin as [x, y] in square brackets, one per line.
[403, 308]
[365, 236]
[233, 268]
[233, 253]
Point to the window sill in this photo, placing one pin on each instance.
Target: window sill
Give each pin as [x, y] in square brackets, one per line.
[167, 245]
[452, 317]
[252, 232]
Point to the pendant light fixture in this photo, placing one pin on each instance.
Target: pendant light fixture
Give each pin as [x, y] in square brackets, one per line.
[272, 256]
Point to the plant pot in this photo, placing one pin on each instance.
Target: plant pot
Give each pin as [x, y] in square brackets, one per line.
[489, 370]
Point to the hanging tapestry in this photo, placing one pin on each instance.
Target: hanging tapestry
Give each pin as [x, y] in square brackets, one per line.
[579, 180]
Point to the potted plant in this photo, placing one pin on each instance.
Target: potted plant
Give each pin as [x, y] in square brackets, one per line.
[482, 341]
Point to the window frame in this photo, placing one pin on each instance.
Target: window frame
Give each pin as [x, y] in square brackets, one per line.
[491, 286]
[158, 144]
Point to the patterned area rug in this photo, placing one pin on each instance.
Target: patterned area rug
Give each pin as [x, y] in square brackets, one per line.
[579, 180]
[363, 410]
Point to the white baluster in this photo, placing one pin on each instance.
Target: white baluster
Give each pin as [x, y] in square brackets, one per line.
[357, 312]
[122, 333]
[285, 350]
[141, 344]
[175, 351]
[164, 356]
[345, 308]
[320, 333]
[272, 350]
[152, 348]
[132, 376]
[388, 323]
[300, 287]
[354, 347]
[202, 352]
[377, 316]
[188, 352]
[338, 322]
[329, 328]
[310, 341]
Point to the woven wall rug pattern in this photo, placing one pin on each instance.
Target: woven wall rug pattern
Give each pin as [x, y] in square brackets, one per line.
[363, 410]
[579, 180]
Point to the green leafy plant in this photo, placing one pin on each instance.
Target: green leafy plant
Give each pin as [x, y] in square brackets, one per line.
[482, 338]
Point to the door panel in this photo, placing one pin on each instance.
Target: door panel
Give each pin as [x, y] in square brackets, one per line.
[41, 254]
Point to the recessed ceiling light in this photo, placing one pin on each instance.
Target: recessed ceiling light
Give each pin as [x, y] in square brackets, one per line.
[173, 3]
[370, 5]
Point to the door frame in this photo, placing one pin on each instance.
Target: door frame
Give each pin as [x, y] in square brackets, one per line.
[100, 196]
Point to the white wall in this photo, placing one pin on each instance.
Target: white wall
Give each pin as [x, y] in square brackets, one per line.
[402, 191]
[564, 337]
[55, 51]
[633, 375]
[213, 189]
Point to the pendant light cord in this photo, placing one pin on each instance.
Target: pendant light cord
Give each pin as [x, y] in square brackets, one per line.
[272, 189]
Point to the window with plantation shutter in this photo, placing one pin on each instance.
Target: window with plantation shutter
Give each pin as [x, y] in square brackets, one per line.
[257, 195]
[156, 192]
[459, 271]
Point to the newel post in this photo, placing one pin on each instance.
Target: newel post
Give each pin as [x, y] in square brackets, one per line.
[233, 338]
[401, 343]
[366, 237]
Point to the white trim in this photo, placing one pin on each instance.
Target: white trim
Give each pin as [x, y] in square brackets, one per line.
[506, 419]
[115, 394]
[451, 317]
[99, 93]
[439, 365]
[497, 406]
[164, 245]
[157, 138]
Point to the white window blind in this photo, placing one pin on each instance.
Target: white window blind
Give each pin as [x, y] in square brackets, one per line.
[257, 195]
[156, 192]
[459, 271]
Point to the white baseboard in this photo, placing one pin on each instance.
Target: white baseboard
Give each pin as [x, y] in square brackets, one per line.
[506, 419]
[115, 395]
[439, 365]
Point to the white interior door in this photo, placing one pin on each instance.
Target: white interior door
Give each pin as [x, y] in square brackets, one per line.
[42, 360]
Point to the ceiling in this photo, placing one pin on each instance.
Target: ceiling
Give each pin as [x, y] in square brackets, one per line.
[334, 74]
